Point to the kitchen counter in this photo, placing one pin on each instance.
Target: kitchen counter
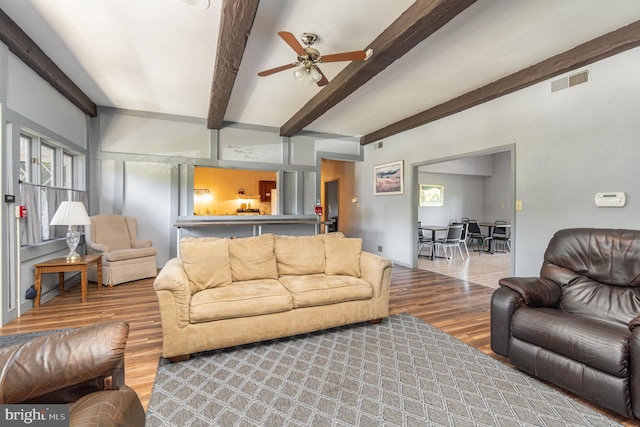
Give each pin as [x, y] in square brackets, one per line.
[199, 220]
[250, 225]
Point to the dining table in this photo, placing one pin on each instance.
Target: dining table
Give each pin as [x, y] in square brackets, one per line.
[491, 226]
[433, 229]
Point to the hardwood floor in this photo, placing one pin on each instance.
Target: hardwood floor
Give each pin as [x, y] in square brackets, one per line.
[485, 269]
[458, 307]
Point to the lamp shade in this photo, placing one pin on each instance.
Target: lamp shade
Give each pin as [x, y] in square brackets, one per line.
[70, 213]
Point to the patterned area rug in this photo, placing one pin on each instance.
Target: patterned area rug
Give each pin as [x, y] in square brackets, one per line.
[401, 372]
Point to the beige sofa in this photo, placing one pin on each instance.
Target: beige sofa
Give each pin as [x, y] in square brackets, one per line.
[226, 292]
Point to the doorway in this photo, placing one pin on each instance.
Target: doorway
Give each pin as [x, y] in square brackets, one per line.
[336, 189]
[478, 186]
[332, 203]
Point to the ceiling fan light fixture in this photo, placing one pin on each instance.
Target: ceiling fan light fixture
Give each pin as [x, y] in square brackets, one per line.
[307, 80]
[315, 74]
[307, 74]
[300, 72]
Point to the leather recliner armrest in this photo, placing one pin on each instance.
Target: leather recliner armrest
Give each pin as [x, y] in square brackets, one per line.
[62, 367]
[535, 291]
[117, 408]
[634, 323]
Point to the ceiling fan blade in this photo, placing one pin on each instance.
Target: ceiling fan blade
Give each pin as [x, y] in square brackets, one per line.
[356, 55]
[276, 69]
[323, 81]
[292, 41]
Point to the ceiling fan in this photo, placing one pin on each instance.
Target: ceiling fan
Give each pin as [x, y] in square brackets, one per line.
[307, 70]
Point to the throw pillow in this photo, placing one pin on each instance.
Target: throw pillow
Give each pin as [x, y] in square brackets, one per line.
[300, 254]
[342, 255]
[206, 262]
[253, 258]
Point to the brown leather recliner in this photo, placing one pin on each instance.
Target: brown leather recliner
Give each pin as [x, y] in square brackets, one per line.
[575, 325]
[83, 367]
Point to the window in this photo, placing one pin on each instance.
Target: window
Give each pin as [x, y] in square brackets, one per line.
[47, 173]
[67, 170]
[47, 165]
[25, 157]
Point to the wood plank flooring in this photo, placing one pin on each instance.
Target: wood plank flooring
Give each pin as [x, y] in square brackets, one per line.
[458, 307]
[485, 269]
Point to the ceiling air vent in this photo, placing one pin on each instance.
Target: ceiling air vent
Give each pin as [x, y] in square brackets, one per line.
[570, 81]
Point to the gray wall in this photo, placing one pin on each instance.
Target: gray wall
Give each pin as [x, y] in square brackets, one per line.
[144, 166]
[28, 102]
[567, 145]
[476, 187]
[463, 197]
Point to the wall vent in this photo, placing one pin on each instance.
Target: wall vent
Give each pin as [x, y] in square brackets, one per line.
[378, 145]
[570, 81]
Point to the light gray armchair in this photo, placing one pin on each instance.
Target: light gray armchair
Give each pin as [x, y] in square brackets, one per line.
[124, 257]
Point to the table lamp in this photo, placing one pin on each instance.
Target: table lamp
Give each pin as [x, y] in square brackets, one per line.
[71, 214]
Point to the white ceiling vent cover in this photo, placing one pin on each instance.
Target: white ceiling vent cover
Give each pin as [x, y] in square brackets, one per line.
[570, 81]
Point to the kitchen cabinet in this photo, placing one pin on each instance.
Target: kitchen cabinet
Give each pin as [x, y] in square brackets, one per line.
[264, 189]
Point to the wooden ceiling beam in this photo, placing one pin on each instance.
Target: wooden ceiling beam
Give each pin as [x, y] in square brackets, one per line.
[235, 26]
[610, 44]
[28, 51]
[418, 22]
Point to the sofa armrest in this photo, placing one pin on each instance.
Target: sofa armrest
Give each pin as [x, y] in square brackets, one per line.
[121, 408]
[504, 302]
[634, 323]
[536, 291]
[173, 291]
[97, 248]
[376, 270]
[62, 367]
[135, 243]
[634, 366]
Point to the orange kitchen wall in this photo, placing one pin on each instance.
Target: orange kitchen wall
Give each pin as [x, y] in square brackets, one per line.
[223, 185]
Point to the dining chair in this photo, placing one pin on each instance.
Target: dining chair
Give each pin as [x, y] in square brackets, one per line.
[451, 242]
[463, 237]
[475, 235]
[423, 240]
[502, 234]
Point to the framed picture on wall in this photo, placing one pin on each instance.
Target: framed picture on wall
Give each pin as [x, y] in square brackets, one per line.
[388, 179]
[431, 195]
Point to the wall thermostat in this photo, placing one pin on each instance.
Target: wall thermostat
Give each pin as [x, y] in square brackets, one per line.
[610, 200]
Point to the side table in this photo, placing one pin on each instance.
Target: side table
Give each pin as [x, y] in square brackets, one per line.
[61, 266]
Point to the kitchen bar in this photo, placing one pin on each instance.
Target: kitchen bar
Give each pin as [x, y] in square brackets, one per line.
[245, 226]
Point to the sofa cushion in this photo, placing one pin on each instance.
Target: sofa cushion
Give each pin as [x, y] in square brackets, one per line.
[342, 255]
[320, 289]
[253, 258]
[299, 254]
[206, 262]
[596, 343]
[240, 299]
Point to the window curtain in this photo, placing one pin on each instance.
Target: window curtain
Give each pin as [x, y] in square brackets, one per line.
[42, 204]
[81, 196]
[55, 196]
[30, 231]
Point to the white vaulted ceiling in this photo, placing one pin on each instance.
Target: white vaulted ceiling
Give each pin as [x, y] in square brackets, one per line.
[159, 55]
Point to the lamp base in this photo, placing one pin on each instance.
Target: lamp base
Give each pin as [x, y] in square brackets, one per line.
[73, 256]
[73, 238]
